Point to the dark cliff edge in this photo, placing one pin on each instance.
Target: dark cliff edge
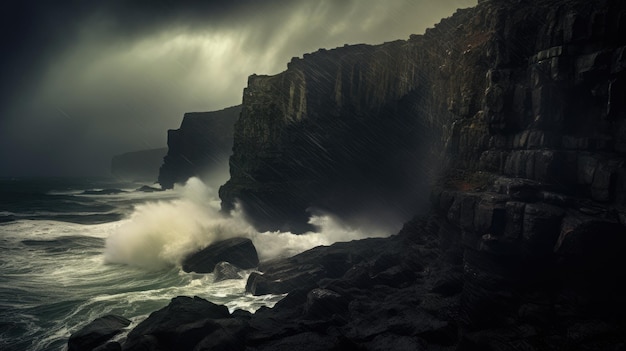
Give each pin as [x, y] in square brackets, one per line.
[199, 147]
[138, 165]
[509, 118]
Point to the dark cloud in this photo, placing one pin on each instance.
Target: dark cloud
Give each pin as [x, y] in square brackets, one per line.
[83, 80]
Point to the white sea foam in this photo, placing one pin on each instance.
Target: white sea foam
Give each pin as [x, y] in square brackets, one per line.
[160, 234]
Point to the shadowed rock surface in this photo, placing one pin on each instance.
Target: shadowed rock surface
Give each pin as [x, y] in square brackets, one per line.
[225, 271]
[97, 333]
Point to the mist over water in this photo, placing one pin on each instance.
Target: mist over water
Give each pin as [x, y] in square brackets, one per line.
[160, 234]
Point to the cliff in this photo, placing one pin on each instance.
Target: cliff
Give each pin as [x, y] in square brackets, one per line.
[516, 88]
[509, 119]
[199, 147]
[513, 114]
[335, 132]
[138, 165]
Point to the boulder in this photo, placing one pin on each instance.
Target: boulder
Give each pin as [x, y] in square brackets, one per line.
[97, 333]
[225, 271]
[237, 251]
[323, 303]
[180, 325]
[306, 269]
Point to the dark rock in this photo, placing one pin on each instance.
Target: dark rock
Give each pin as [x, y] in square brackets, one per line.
[389, 341]
[306, 341]
[305, 270]
[148, 189]
[284, 281]
[225, 271]
[230, 336]
[103, 192]
[449, 284]
[323, 303]
[200, 146]
[542, 223]
[526, 93]
[237, 251]
[395, 276]
[97, 333]
[182, 324]
[110, 346]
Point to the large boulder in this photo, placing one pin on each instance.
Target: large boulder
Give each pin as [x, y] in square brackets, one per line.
[180, 325]
[305, 270]
[237, 251]
[97, 333]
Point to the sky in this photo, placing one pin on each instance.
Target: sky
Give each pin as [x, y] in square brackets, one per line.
[81, 81]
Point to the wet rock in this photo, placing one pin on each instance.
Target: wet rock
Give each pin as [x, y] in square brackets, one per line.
[542, 223]
[182, 324]
[226, 271]
[305, 270]
[237, 251]
[148, 189]
[97, 333]
[323, 303]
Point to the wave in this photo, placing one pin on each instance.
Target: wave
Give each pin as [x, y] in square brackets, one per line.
[158, 235]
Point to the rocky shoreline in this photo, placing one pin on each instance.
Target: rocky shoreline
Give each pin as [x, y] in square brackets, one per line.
[515, 110]
[422, 289]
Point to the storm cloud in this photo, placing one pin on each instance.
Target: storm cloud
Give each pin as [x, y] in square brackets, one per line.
[84, 80]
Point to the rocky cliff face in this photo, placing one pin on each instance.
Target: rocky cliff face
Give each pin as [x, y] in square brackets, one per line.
[518, 88]
[517, 108]
[138, 165]
[516, 111]
[201, 145]
[336, 131]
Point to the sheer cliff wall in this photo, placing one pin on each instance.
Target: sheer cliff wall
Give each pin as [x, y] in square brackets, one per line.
[512, 112]
[530, 89]
[199, 147]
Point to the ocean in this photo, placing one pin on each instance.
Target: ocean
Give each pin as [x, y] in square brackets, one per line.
[75, 249]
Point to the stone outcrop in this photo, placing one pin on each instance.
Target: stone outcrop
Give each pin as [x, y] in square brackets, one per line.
[333, 132]
[521, 88]
[97, 333]
[200, 146]
[239, 252]
[139, 165]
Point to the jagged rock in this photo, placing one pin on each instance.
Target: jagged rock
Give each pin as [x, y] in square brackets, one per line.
[304, 270]
[530, 91]
[148, 189]
[237, 251]
[225, 271]
[542, 223]
[180, 325]
[97, 333]
[200, 146]
[281, 282]
[323, 303]
[111, 346]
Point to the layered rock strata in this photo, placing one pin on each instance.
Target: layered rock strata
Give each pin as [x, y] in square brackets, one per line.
[524, 105]
[528, 89]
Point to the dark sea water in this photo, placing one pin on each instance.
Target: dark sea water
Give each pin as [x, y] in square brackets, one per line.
[75, 249]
